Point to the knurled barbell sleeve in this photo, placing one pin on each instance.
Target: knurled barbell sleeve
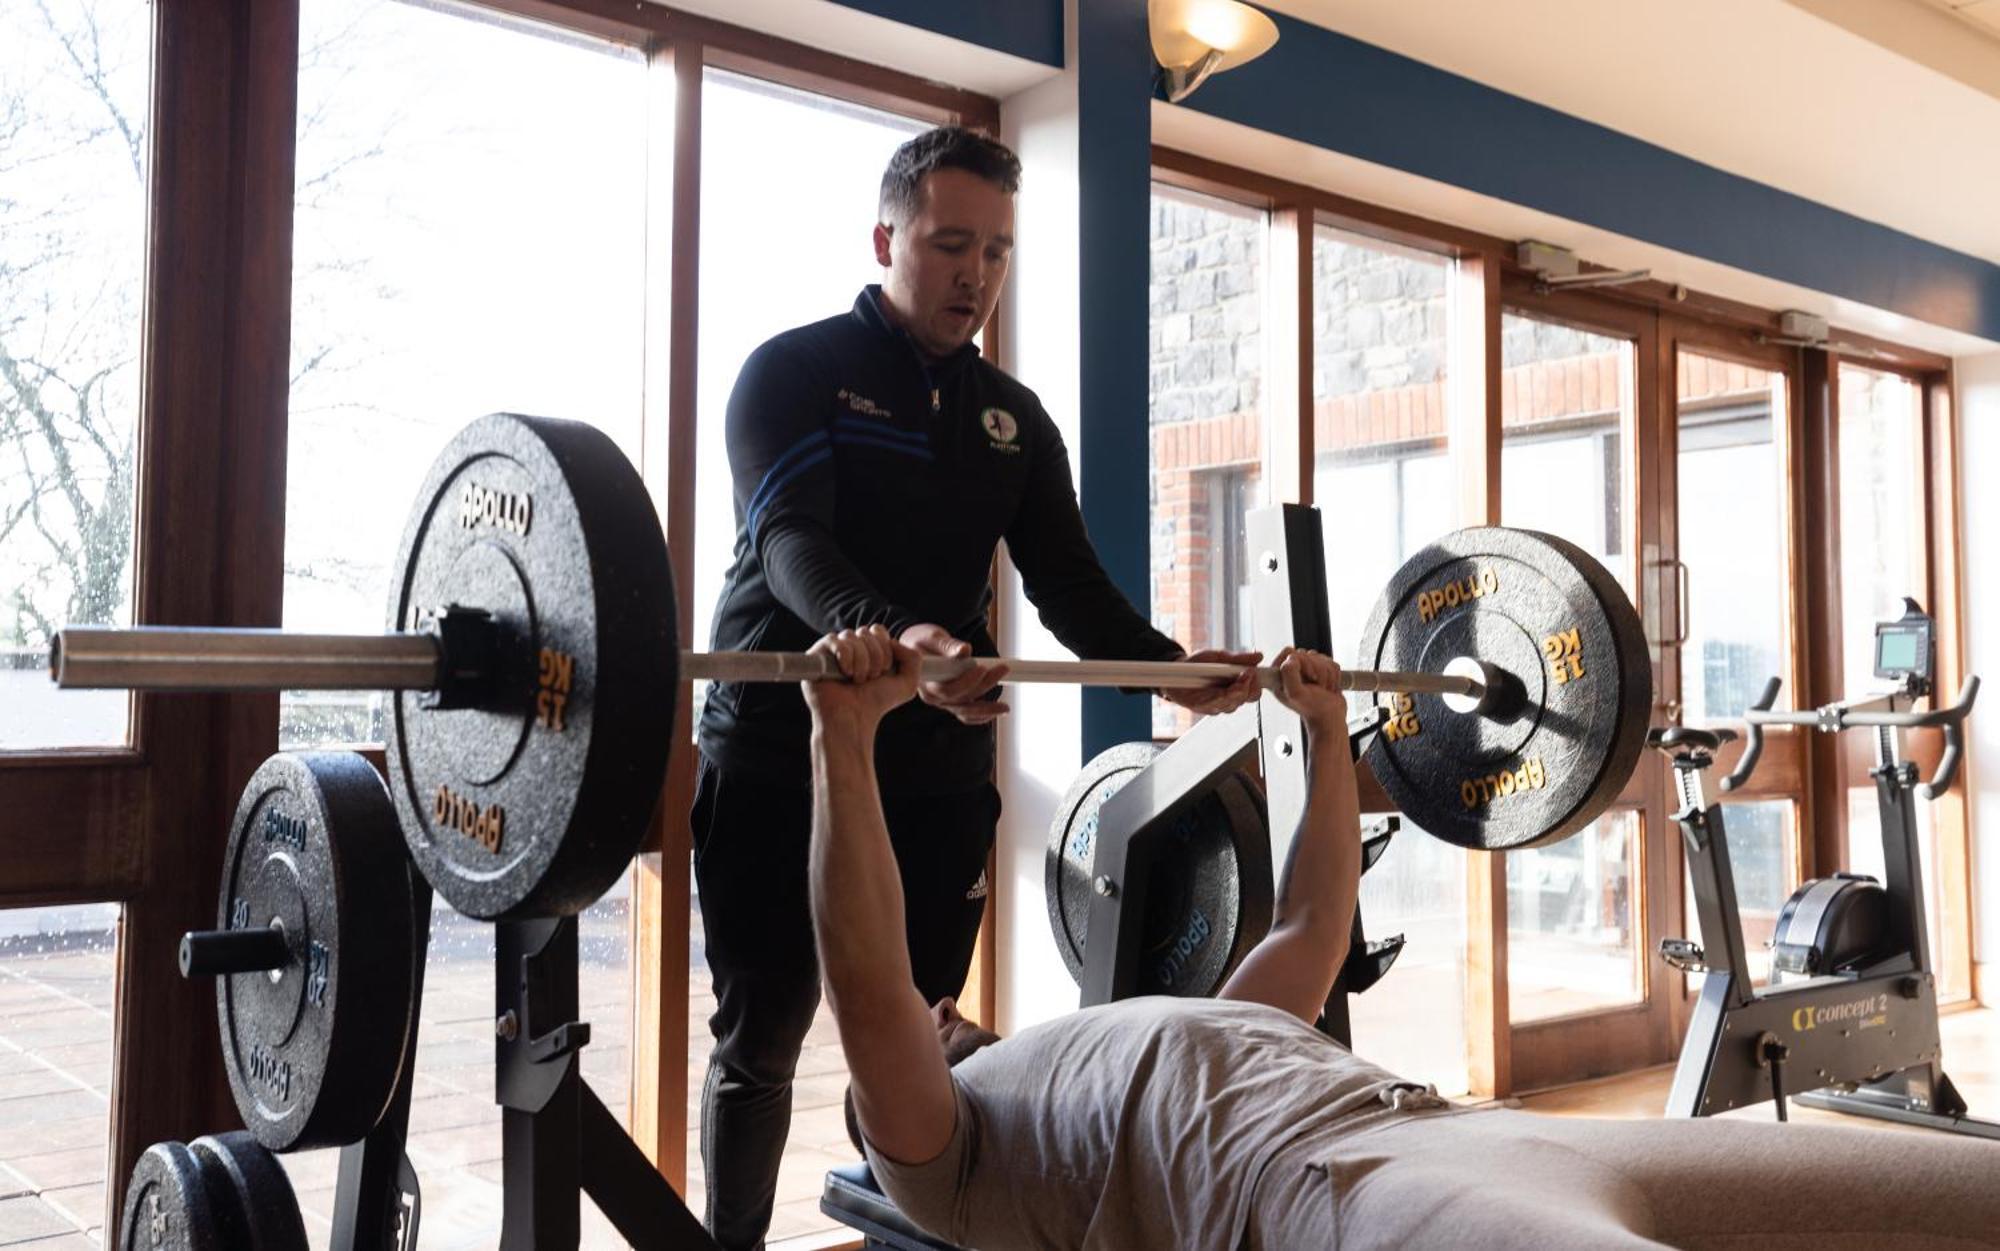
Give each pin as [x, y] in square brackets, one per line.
[198, 658]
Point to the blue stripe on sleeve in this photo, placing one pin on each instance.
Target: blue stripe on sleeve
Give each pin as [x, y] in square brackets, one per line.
[808, 451]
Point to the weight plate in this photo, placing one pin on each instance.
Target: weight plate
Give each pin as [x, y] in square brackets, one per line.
[1541, 609]
[533, 802]
[313, 1048]
[249, 1193]
[167, 1204]
[1194, 932]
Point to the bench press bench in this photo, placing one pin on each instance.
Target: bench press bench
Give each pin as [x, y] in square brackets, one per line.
[852, 1198]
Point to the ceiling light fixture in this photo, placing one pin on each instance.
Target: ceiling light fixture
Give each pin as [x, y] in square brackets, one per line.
[1193, 39]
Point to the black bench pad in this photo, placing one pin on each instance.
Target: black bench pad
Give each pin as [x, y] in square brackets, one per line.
[852, 1198]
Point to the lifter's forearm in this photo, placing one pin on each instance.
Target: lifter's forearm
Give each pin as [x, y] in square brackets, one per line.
[1322, 875]
[857, 895]
[1295, 965]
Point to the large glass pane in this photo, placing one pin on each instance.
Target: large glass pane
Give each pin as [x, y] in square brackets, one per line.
[470, 218]
[1764, 857]
[768, 266]
[58, 975]
[1382, 483]
[1381, 478]
[470, 222]
[1881, 561]
[1566, 417]
[1205, 391]
[74, 79]
[1566, 414]
[1881, 510]
[1413, 1021]
[1734, 532]
[1573, 941]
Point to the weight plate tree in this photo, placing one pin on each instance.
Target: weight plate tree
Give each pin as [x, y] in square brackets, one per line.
[1570, 688]
[530, 794]
[313, 951]
[1194, 932]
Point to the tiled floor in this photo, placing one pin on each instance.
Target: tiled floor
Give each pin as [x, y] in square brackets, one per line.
[55, 1072]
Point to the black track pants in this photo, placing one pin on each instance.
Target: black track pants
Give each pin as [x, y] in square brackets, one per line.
[750, 854]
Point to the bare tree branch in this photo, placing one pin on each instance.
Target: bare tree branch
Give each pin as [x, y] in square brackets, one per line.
[89, 62]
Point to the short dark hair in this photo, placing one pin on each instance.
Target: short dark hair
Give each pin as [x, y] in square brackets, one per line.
[944, 147]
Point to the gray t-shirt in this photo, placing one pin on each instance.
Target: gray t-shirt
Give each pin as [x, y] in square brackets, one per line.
[1145, 1123]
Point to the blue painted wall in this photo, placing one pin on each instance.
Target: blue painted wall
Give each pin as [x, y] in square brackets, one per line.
[1339, 93]
[1031, 29]
[1114, 172]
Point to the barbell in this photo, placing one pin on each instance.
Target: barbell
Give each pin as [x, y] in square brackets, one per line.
[535, 671]
[202, 658]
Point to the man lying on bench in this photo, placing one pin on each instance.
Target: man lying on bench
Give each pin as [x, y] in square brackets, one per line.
[1166, 1123]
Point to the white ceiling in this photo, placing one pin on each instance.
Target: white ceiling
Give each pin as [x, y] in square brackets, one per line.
[1761, 88]
[878, 41]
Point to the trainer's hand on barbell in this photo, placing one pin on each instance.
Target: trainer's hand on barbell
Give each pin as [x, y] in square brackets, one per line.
[1309, 684]
[969, 696]
[881, 674]
[1217, 699]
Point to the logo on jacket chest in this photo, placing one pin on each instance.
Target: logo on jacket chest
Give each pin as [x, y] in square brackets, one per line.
[863, 405]
[1001, 429]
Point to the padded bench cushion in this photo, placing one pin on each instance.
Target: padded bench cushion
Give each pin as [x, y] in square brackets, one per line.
[852, 1198]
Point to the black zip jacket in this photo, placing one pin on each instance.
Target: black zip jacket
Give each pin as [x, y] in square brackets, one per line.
[872, 486]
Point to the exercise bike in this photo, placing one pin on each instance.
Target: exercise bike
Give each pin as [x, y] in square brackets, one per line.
[1849, 1021]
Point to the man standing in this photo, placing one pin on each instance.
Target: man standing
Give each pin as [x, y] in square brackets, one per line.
[878, 462]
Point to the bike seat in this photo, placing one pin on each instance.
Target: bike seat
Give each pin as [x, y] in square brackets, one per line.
[1671, 737]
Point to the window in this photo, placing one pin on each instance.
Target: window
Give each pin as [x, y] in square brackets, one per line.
[1572, 922]
[73, 96]
[1567, 407]
[1881, 512]
[58, 969]
[1566, 404]
[1414, 1019]
[470, 206]
[766, 268]
[1381, 477]
[1205, 396]
[1734, 529]
[1881, 561]
[470, 214]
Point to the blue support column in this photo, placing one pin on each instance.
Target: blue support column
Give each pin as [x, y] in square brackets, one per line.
[1114, 185]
